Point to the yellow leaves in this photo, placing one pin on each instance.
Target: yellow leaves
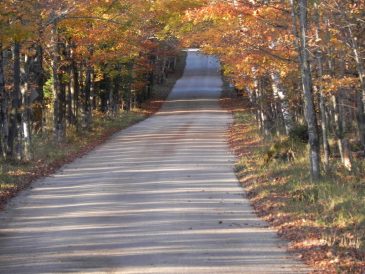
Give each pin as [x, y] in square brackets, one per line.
[331, 84]
[115, 29]
[216, 14]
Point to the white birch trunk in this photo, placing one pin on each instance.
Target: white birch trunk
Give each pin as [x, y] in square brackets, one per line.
[280, 95]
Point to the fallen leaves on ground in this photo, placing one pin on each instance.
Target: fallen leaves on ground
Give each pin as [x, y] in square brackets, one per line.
[304, 235]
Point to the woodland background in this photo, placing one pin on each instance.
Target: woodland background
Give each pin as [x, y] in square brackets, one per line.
[300, 64]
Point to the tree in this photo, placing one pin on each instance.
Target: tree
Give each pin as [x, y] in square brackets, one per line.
[306, 76]
[268, 47]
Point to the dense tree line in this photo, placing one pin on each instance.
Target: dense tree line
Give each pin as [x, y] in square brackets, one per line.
[61, 61]
[301, 63]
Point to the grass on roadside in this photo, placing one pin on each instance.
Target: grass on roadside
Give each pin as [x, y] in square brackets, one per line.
[48, 155]
[325, 219]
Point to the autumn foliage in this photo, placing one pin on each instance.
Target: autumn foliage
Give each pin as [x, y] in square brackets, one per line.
[300, 63]
[61, 61]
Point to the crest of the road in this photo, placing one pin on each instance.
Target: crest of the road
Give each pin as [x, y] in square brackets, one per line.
[158, 197]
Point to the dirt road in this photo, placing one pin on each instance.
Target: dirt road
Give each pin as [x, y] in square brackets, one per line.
[159, 197]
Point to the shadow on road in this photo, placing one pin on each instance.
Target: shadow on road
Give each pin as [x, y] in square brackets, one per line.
[159, 197]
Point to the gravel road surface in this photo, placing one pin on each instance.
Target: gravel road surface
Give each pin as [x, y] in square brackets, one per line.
[158, 197]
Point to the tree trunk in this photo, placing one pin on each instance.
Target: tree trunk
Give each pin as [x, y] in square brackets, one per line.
[25, 112]
[4, 127]
[38, 78]
[111, 100]
[360, 97]
[116, 95]
[69, 113]
[280, 94]
[127, 93]
[14, 121]
[310, 115]
[58, 103]
[263, 105]
[108, 103]
[74, 90]
[68, 86]
[86, 123]
[254, 106]
[340, 121]
[360, 118]
[322, 99]
[342, 142]
[324, 123]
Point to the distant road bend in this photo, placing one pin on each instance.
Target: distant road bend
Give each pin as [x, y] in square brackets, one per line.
[158, 197]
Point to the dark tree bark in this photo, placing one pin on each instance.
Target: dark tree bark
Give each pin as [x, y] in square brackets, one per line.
[15, 119]
[340, 121]
[38, 80]
[322, 99]
[4, 127]
[342, 142]
[307, 87]
[58, 93]
[351, 39]
[116, 95]
[74, 89]
[86, 119]
[265, 108]
[361, 96]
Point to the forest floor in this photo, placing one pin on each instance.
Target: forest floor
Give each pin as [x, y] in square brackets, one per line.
[324, 222]
[49, 156]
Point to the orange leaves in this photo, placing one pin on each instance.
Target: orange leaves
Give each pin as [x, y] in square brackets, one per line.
[17, 21]
[244, 35]
[332, 85]
[113, 28]
[218, 13]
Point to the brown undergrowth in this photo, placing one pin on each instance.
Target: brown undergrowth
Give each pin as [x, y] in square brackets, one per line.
[327, 233]
[50, 156]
